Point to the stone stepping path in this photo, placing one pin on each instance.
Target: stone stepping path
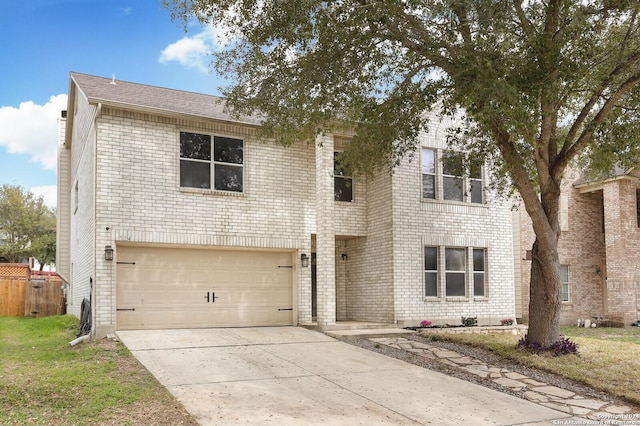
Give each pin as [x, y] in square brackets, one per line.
[533, 390]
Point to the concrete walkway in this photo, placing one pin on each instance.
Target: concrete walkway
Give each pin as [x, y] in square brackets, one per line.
[535, 391]
[294, 376]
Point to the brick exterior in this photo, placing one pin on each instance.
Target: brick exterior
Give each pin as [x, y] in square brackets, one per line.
[600, 243]
[126, 167]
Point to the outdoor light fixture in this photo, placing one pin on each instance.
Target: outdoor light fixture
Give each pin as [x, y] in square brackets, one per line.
[305, 260]
[108, 253]
[344, 256]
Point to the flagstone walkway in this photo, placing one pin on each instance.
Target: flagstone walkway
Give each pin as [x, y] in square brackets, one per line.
[605, 412]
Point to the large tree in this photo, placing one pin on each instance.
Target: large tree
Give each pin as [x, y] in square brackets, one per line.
[540, 83]
[27, 226]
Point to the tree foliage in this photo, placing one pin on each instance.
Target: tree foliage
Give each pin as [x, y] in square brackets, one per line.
[540, 83]
[27, 227]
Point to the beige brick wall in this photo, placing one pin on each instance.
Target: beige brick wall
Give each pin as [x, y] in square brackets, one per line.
[386, 283]
[63, 210]
[287, 201]
[369, 263]
[82, 206]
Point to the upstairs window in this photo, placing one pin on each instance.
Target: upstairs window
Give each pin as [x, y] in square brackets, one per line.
[211, 162]
[452, 177]
[475, 182]
[428, 173]
[342, 180]
[462, 178]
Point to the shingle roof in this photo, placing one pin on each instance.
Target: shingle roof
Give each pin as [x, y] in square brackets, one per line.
[616, 172]
[159, 99]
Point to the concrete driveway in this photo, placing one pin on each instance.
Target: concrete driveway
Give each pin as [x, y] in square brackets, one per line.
[294, 376]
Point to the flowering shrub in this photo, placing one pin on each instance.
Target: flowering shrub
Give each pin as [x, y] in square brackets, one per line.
[425, 323]
[506, 321]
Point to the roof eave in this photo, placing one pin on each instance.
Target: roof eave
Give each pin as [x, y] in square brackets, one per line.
[165, 112]
[598, 185]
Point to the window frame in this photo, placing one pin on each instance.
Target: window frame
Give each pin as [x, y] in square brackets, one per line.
[340, 174]
[473, 177]
[468, 271]
[565, 284]
[454, 178]
[431, 174]
[431, 271]
[455, 272]
[215, 164]
[477, 272]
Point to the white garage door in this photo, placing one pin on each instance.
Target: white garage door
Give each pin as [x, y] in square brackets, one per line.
[192, 288]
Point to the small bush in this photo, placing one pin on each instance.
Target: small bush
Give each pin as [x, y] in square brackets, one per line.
[469, 321]
[425, 323]
[563, 346]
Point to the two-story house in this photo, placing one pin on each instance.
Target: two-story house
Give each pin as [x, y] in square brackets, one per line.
[172, 214]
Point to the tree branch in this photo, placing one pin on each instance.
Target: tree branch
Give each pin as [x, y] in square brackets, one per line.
[587, 133]
[528, 29]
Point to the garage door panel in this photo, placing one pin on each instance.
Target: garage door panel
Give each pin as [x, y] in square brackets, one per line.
[167, 288]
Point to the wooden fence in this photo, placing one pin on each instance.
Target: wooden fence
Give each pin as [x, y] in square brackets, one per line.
[31, 298]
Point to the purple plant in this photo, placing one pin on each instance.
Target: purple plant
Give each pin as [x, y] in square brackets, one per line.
[563, 346]
[425, 323]
[506, 321]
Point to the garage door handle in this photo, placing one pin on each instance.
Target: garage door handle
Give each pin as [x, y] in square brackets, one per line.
[207, 297]
[213, 297]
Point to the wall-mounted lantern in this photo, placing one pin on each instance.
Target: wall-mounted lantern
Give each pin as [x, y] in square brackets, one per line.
[305, 260]
[344, 256]
[108, 253]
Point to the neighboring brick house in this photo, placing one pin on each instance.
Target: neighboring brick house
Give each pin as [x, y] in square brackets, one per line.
[599, 249]
[210, 227]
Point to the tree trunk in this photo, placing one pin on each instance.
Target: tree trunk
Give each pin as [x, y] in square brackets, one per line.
[545, 291]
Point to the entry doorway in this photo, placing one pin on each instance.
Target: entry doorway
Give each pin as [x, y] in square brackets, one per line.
[314, 288]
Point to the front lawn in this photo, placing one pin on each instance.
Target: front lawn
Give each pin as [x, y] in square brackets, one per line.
[608, 358]
[45, 381]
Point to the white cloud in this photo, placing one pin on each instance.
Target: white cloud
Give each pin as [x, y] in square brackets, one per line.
[193, 52]
[32, 129]
[48, 193]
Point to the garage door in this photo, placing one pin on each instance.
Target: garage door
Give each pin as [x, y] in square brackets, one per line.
[192, 288]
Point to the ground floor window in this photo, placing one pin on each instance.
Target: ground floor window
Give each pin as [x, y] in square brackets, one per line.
[564, 276]
[455, 275]
[478, 272]
[431, 271]
[455, 271]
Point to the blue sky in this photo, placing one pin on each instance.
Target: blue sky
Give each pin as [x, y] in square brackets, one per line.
[43, 40]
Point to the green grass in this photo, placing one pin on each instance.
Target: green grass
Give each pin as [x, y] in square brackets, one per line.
[608, 358]
[43, 380]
